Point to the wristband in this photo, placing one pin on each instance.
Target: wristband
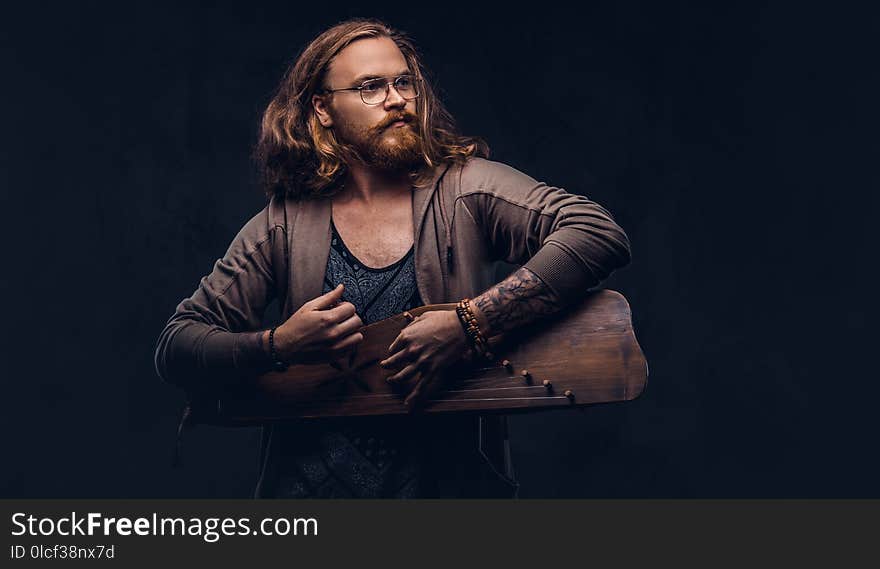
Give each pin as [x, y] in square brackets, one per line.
[276, 361]
[472, 329]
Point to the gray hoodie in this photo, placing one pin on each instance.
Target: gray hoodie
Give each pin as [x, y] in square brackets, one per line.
[467, 218]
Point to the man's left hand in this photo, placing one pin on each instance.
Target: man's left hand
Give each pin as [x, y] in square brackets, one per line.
[433, 341]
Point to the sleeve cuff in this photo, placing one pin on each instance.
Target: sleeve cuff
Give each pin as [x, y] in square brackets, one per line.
[250, 354]
[242, 352]
[561, 271]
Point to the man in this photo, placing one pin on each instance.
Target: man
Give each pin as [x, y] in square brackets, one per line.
[378, 205]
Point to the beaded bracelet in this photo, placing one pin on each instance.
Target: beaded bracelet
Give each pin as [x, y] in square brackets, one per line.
[472, 329]
[276, 361]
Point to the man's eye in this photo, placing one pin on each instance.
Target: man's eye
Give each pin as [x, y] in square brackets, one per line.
[371, 87]
[403, 82]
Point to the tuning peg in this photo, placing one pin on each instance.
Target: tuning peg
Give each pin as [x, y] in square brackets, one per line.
[507, 365]
[526, 375]
[570, 394]
[548, 384]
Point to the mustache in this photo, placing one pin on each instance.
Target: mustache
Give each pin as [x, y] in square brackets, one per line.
[408, 118]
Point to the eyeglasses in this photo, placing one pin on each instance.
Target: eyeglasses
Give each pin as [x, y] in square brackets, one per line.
[375, 91]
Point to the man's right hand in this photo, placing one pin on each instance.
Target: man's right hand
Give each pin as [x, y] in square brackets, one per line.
[323, 329]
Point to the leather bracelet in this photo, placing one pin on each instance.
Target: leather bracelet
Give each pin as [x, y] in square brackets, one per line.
[276, 361]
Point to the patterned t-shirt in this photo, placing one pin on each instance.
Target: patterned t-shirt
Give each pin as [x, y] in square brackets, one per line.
[357, 457]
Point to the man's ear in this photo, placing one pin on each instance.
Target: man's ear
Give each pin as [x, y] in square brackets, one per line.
[319, 103]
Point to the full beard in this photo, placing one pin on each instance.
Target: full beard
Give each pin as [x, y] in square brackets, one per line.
[390, 148]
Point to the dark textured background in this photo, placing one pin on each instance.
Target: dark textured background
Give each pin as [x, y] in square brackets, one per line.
[737, 145]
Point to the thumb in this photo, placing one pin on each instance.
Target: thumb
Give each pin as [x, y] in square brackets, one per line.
[328, 299]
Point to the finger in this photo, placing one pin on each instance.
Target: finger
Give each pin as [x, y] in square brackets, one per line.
[353, 324]
[397, 345]
[417, 396]
[423, 391]
[347, 342]
[340, 312]
[328, 299]
[396, 361]
[404, 374]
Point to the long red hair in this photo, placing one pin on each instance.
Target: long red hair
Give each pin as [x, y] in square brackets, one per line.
[298, 157]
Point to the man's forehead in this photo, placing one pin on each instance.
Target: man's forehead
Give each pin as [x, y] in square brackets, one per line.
[366, 58]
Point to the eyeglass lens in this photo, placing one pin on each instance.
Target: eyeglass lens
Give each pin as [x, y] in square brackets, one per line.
[375, 91]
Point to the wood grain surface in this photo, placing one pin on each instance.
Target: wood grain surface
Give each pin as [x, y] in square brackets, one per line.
[588, 355]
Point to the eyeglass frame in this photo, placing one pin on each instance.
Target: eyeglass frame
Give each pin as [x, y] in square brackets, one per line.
[388, 84]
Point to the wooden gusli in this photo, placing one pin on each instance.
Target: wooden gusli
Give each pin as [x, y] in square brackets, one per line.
[587, 355]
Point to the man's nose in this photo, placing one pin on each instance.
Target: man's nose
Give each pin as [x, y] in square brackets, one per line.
[393, 99]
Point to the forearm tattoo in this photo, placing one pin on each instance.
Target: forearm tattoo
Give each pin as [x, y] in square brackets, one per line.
[519, 299]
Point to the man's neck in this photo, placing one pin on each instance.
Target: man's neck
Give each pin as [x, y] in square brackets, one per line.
[367, 185]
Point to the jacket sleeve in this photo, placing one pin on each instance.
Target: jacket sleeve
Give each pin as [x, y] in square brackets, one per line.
[569, 241]
[212, 337]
